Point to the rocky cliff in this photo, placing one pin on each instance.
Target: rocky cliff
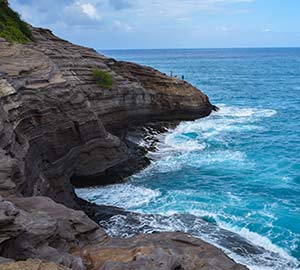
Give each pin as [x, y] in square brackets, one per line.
[56, 125]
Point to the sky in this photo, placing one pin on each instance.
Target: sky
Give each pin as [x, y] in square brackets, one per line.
[152, 24]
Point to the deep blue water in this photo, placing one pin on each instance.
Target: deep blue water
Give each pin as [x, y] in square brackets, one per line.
[238, 168]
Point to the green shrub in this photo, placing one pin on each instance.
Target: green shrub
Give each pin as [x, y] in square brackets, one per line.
[12, 28]
[103, 78]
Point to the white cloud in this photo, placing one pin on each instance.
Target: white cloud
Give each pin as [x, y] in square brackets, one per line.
[183, 8]
[266, 30]
[80, 13]
[86, 12]
[90, 11]
[223, 29]
[123, 26]
[157, 22]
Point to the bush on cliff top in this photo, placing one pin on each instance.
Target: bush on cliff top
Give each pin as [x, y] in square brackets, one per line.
[103, 78]
[12, 28]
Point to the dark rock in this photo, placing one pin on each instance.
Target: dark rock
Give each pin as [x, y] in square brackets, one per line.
[99, 212]
[9, 228]
[46, 230]
[215, 108]
[5, 260]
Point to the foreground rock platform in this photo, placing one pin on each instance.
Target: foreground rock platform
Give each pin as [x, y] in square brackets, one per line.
[32, 265]
[59, 128]
[38, 228]
[176, 251]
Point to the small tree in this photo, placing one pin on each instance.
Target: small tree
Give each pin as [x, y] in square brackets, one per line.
[103, 78]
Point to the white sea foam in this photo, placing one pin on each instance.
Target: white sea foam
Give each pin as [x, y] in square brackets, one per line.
[233, 197]
[181, 144]
[174, 161]
[226, 120]
[190, 142]
[121, 195]
[261, 241]
[236, 111]
[211, 127]
[273, 257]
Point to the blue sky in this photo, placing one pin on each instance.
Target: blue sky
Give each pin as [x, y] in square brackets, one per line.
[134, 24]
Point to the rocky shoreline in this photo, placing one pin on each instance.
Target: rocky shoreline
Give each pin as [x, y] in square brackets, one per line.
[59, 128]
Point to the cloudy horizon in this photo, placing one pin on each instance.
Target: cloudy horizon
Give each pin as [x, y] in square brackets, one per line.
[128, 24]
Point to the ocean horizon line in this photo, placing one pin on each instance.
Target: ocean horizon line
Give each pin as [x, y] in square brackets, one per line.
[200, 48]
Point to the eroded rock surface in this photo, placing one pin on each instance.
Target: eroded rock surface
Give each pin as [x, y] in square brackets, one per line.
[37, 227]
[164, 251]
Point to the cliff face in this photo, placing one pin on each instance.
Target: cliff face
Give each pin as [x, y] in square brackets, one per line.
[56, 123]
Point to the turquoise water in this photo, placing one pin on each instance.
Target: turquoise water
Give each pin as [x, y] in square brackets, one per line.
[238, 168]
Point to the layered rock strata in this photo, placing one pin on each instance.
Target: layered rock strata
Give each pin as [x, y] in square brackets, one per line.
[57, 123]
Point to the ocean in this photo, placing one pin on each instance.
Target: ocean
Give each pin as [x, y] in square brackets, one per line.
[238, 170]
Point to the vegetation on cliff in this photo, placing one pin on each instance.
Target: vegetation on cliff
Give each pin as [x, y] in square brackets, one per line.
[12, 28]
[103, 78]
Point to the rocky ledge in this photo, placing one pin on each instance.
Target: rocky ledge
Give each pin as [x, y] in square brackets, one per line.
[58, 127]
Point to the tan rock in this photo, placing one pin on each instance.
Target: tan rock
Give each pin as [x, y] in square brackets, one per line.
[31, 264]
[163, 251]
[6, 89]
